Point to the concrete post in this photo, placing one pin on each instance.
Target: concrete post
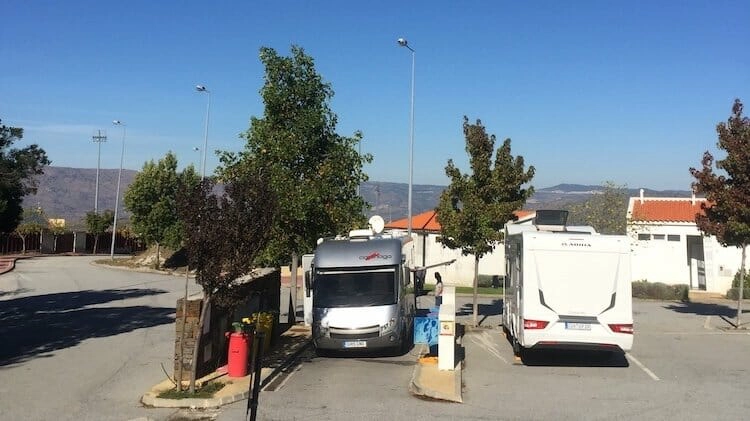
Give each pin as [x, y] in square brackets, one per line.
[447, 337]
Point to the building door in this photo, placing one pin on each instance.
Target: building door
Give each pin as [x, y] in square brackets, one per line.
[696, 262]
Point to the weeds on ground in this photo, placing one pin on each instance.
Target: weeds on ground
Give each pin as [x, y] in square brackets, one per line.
[207, 391]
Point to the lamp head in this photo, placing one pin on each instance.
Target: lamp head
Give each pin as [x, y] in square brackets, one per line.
[402, 42]
[200, 88]
[117, 122]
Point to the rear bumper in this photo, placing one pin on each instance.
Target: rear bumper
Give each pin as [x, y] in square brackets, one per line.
[557, 337]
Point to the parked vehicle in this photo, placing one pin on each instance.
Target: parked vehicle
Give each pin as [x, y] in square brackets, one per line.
[359, 291]
[566, 286]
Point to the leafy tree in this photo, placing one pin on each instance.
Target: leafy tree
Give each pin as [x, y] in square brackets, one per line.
[727, 209]
[33, 222]
[474, 208]
[56, 229]
[313, 171]
[97, 224]
[17, 168]
[224, 235]
[605, 211]
[152, 202]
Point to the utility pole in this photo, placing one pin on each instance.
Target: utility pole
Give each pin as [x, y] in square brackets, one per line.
[98, 138]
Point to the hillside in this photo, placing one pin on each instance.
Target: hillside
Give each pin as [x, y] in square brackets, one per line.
[69, 193]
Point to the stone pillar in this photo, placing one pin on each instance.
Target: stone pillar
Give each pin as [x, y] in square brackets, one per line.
[186, 334]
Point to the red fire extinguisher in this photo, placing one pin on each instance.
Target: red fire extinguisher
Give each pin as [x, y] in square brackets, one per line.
[239, 344]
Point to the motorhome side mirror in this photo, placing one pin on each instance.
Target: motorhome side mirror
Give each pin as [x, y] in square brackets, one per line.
[308, 284]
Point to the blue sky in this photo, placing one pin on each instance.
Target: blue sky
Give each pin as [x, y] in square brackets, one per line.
[588, 91]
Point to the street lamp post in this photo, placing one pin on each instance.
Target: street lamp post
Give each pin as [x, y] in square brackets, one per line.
[117, 195]
[201, 88]
[404, 43]
[98, 138]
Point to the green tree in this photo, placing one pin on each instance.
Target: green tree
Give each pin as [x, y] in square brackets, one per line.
[313, 171]
[727, 209]
[224, 235]
[17, 168]
[98, 223]
[32, 223]
[605, 211]
[56, 229]
[474, 208]
[152, 201]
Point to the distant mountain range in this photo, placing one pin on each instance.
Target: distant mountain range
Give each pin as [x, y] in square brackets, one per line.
[69, 193]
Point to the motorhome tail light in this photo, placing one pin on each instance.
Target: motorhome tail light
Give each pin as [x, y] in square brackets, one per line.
[534, 324]
[622, 328]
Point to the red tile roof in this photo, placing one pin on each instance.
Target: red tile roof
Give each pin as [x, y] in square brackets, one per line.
[427, 221]
[675, 210]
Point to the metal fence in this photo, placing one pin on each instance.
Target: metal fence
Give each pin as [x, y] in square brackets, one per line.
[46, 243]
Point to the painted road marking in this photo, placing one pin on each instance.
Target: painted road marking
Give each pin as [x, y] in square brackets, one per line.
[642, 367]
[707, 324]
[485, 341]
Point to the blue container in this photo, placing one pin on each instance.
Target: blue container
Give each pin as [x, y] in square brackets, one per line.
[426, 330]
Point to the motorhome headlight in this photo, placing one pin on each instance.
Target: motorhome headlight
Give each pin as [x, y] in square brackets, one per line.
[388, 326]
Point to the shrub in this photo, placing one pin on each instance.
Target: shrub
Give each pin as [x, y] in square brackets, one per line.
[660, 291]
[485, 281]
[736, 280]
[733, 293]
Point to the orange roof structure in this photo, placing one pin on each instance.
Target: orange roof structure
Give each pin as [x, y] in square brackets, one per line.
[427, 221]
[661, 210]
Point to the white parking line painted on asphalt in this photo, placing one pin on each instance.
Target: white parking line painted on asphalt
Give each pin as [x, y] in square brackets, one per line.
[642, 367]
[707, 324]
[485, 341]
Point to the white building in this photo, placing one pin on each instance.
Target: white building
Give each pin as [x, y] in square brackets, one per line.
[426, 230]
[668, 247]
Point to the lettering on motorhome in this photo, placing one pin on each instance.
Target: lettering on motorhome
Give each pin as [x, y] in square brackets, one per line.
[575, 244]
[375, 255]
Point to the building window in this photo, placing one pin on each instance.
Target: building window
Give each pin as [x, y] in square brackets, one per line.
[672, 237]
[644, 237]
[658, 236]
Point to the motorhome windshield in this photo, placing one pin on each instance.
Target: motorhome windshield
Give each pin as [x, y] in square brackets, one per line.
[354, 288]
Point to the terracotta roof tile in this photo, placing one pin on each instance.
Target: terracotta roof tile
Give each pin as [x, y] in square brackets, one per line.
[427, 221]
[666, 210]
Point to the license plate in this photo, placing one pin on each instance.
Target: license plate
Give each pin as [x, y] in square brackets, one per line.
[355, 344]
[577, 326]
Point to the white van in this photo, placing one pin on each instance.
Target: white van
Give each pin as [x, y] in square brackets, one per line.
[566, 287]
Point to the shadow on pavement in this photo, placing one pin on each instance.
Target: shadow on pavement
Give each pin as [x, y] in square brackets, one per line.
[31, 326]
[573, 358]
[493, 309]
[705, 309]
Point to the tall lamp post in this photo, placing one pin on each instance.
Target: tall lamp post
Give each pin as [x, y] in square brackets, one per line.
[404, 43]
[201, 88]
[117, 195]
[98, 138]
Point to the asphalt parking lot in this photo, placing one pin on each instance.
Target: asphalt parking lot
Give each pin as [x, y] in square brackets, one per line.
[686, 363]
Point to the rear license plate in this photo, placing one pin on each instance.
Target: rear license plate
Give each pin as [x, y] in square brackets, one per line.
[577, 326]
[355, 344]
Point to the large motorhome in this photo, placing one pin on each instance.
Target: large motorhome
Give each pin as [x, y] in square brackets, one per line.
[566, 286]
[358, 286]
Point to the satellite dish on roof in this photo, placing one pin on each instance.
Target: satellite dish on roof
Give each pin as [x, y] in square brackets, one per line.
[377, 224]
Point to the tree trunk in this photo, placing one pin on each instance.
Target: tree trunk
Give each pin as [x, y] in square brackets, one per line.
[158, 249]
[741, 289]
[476, 288]
[96, 242]
[295, 264]
[23, 244]
[198, 336]
[54, 246]
[182, 339]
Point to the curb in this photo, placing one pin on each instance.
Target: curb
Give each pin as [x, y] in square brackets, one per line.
[241, 385]
[11, 264]
[425, 379]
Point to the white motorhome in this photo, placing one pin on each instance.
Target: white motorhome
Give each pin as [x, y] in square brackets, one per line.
[358, 290]
[566, 286]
